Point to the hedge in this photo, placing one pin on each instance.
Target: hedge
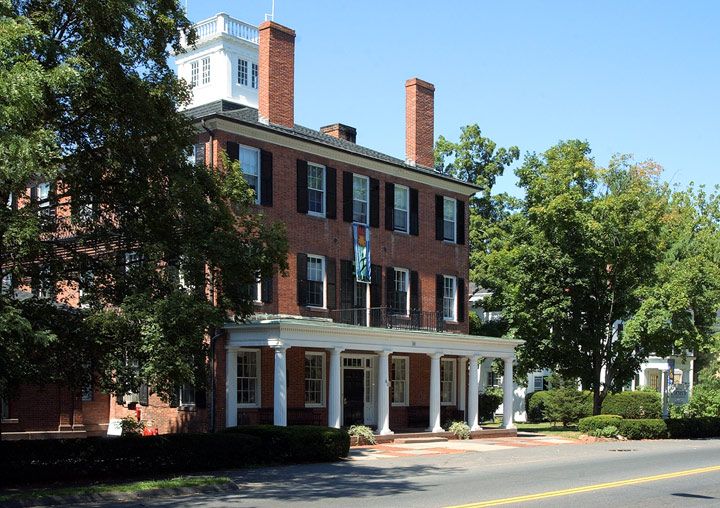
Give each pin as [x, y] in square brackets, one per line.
[689, 428]
[650, 428]
[633, 405]
[592, 423]
[298, 443]
[535, 405]
[124, 457]
[488, 402]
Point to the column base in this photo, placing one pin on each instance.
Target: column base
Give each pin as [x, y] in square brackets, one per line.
[509, 426]
[475, 427]
[385, 432]
[435, 429]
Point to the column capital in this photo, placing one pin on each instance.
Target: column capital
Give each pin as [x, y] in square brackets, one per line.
[435, 355]
[384, 353]
[280, 347]
[336, 350]
[473, 356]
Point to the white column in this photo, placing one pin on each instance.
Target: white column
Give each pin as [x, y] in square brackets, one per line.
[462, 382]
[508, 394]
[643, 378]
[334, 395]
[632, 384]
[383, 398]
[435, 393]
[231, 388]
[664, 392]
[473, 393]
[280, 387]
[690, 378]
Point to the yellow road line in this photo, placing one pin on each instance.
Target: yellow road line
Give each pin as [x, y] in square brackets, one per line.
[589, 488]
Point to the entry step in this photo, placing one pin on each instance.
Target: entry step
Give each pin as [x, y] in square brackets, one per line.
[411, 440]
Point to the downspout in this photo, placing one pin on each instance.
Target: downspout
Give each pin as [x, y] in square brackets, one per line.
[213, 339]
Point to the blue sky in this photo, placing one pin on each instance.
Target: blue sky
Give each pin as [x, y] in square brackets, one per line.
[639, 77]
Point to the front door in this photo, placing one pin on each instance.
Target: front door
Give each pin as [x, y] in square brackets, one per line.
[353, 396]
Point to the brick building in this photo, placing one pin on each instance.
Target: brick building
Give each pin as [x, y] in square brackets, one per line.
[370, 323]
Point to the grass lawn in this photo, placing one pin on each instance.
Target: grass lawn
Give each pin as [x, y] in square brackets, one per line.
[551, 429]
[119, 488]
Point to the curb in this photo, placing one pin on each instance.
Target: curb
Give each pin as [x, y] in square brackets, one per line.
[229, 486]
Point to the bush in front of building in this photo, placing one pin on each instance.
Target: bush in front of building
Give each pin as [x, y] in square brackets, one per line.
[591, 424]
[633, 405]
[535, 406]
[566, 405]
[705, 401]
[692, 428]
[51, 460]
[646, 428]
[488, 403]
[297, 443]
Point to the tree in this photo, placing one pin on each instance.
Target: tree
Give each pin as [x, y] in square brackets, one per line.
[158, 244]
[597, 268]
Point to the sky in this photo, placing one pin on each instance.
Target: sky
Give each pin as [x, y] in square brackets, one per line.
[640, 77]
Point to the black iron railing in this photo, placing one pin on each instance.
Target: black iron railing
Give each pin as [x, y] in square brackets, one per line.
[383, 317]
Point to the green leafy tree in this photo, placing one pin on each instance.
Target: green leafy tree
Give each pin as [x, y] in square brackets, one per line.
[596, 268]
[89, 103]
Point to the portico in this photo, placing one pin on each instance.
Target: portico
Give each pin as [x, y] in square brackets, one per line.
[337, 375]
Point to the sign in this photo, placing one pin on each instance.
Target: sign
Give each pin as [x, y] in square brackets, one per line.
[361, 242]
[114, 427]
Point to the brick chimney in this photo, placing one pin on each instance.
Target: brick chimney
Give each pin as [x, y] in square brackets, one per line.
[419, 122]
[340, 131]
[276, 69]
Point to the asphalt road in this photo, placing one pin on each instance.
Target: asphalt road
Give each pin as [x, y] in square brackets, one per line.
[690, 469]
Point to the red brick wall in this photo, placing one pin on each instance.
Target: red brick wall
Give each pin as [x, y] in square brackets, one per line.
[419, 122]
[276, 74]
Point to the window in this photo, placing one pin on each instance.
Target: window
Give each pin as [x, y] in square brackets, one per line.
[254, 76]
[5, 410]
[316, 189]
[187, 395]
[449, 221]
[314, 379]
[87, 393]
[248, 378]
[399, 378]
[250, 166]
[194, 73]
[401, 291]
[43, 199]
[447, 381]
[540, 383]
[242, 72]
[132, 260]
[7, 283]
[206, 70]
[316, 281]
[42, 286]
[360, 199]
[492, 378]
[400, 213]
[449, 298]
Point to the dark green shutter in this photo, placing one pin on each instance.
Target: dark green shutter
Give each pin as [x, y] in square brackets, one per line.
[233, 151]
[347, 196]
[414, 290]
[414, 222]
[376, 286]
[347, 285]
[439, 216]
[374, 203]
[331, 284]
[389, 205]
[460, 222]
[462, 298]
[302, 279]
[266, 289]
[266, 178]
[302, 186]
[439, 287]
[331, 188]
[200, 399]
[144, 395]
[390, 294]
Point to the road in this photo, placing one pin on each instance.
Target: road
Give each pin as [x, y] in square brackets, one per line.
[599, 473]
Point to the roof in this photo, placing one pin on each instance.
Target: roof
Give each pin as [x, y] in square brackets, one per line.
[247, 115]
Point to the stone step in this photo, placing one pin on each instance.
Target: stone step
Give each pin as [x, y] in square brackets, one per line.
[415, 440]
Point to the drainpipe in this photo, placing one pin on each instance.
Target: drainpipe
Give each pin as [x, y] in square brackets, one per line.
[213, 339]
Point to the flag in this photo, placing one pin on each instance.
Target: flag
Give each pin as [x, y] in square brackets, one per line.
[361, 237]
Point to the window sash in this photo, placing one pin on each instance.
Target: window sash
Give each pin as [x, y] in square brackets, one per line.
[315, 281]
[242, 72]
[250, 167]
[400, 211]
[248, 378]
[361, 191]
[254, 75]
[206, 70]
[314, 379]
[187, 395]
[449, 298]
[400, 380]
[401, 290]
[449, 219]
[316, 189]
[194, 73]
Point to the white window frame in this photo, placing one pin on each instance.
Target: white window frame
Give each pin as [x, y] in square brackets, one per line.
[323, 190]
[254, 75]
[205, 74]
[535, 383]
[453, 317]
[366, 182]
[446, 218]
[406, 272]
[324, 279]
[242, 70]
[453, 381]
[256, 151]
[406, 393]
[258, 379]
[404, 228]
[323, 379]
[194, 73]
[183, 402]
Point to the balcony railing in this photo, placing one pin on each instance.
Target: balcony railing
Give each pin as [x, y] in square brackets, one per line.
[382, 317]
[224, 24]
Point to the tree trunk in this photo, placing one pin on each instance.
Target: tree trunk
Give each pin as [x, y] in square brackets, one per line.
[597, 400]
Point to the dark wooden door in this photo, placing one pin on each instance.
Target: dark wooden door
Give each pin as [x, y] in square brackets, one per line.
[354, 396]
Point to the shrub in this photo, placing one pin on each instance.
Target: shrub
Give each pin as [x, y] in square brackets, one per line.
[705, 401]
[131, 426]
[566, 405]
[608, 431]
[535, 406]
[460, 430]
[488, 403]
[633, 405]
[362, 433]
[650, 428]
[689, 428]
[592, 424]
[298, 443]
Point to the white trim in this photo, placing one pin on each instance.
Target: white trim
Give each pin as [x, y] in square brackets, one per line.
[405, 402]
[454, 219]
[323, 201]
[453, 400]
[324, 279]
[323, 391]
[407, 209]
[366, 222]
[453, 318]
[258, 377]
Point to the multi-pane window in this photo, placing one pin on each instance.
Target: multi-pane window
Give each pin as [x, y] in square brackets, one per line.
[132, 260]
[194, 73]
[316, 281]
[449, 298]
[400, 213]
[7, 283]
[187, 395]
[360, 198]
[314, 379]
[43, 199]
[492, 378]
[399, 377]
[206, 70]
[316, 189]
[248, 378]
[447, 381]
[449, 219]
[540, 383]
[250, 166]
[254, 76]
[401, 291]
[242, 72]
